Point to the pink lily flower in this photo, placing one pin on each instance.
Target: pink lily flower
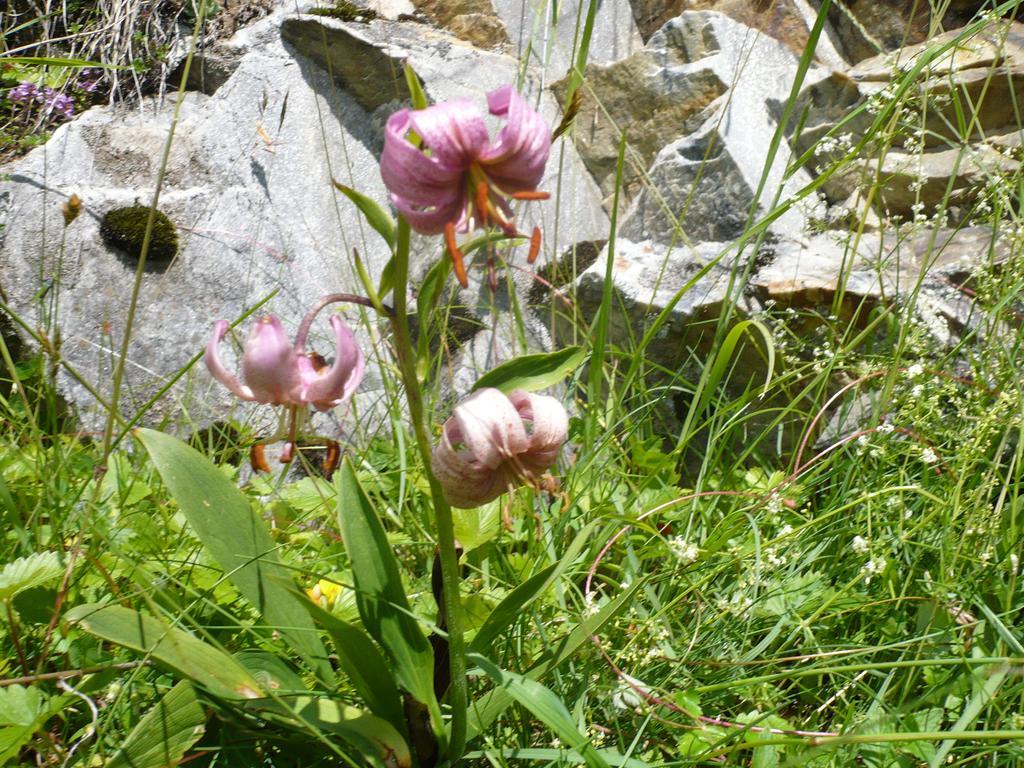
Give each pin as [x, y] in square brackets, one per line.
[456, 178]
[278, 372]
[493, 443]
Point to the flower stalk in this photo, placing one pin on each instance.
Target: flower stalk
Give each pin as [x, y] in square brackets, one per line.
[405, 355]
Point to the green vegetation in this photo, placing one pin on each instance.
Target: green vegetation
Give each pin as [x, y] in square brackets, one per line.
[749, 589]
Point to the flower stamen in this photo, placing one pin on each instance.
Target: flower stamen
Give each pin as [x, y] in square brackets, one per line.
[534, 246]
[456, 255]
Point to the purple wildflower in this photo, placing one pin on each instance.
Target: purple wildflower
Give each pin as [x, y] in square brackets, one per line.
[23, 93]
[89, 79]
[60, 103]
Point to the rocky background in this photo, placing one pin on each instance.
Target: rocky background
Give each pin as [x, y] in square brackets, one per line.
[282, 101]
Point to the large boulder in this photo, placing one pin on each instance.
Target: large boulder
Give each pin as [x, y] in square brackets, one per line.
[950, 161]
[248, 185]
[788, 21]
[724, 81]
[865, 28]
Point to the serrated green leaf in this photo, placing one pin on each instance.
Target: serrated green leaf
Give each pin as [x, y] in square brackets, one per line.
[533, 372]
[29, 572]
[237, 539]
[215, 670]
[161, 738]
[375, 215]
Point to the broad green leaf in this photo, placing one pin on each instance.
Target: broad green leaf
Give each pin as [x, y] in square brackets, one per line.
[161, 738]
[374, 214]
[362, 661]
[29, 572]
[533, 372]
[489, 707]
[237, 539]
[545, 706]
[380, 594]
[215, 670]
[22, 713]
[475, 527]
[375, 738]
[511, 608]
[272, 673]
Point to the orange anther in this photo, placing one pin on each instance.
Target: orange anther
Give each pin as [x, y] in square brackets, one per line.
[534, 195]
[258, 459]
[534, 246]
[456, 255]
[481, 202]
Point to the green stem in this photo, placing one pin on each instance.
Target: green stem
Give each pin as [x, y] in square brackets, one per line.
[406, 358]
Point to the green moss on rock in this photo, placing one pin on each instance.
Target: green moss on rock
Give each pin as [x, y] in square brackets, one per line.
[125, 228]
[346, 11]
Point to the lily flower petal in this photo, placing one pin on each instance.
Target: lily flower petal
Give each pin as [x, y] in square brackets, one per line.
[432, 185]
[334, 386]
[216, 367]
[549, 428]
[490, 426]
[516, 160]
[269, 362]
[486, 447]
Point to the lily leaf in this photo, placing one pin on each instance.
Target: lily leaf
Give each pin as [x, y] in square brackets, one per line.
[162, 737]
[211, 667]
[533, 372]
[374, 214]
[237, 539]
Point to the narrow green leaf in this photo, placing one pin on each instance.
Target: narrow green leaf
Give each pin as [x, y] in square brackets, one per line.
[215, 670]
[511, 608]
[419, 98]
[380, 595]
[237, 539]
[725, 353]
[364, 664]
[489, 707]
[49, 61]
[545, 706]
[533, 372]
[555, 756]
[162, 737]
[375, 215]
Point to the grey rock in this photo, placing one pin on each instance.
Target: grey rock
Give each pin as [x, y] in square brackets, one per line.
[248, 184]
[788, 21]
[548, 44]
[703, 185]
[982, 72]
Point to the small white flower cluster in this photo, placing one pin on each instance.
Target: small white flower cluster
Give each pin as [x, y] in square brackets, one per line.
[872, 568]
[860, 545]
[685, 551]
